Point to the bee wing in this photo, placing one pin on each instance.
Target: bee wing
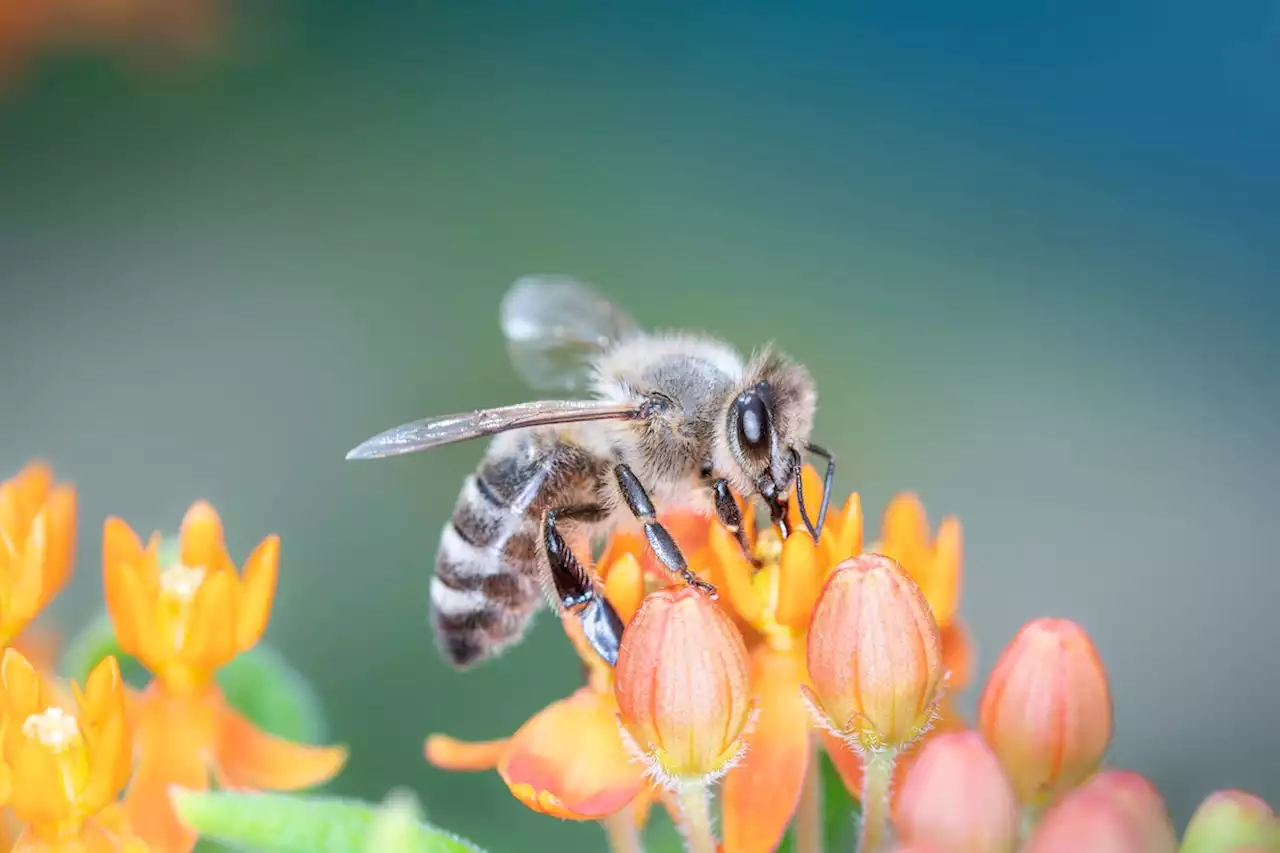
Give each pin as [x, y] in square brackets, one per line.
[555, 325]
[434, 432]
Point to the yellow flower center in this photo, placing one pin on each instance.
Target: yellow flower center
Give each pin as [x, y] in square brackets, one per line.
[58, 732]
[179, 585]
[767, 581]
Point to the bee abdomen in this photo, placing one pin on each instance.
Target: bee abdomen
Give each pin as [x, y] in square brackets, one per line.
[485, 587]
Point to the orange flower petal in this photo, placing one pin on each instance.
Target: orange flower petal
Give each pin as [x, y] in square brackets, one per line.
[39, 795]
[450, 754]
[957, 656]
[21, 688]
[624, 587]
[257, 592]
[110, 764]
[800, 584]
[211, 637]
[147, 804]
[905, 523]
[33, 484]
[60, 509]
[736, 573]
[126, 604]
[621, 541]
[27, 578]
[568, 760]
[248, 757]
[201, 538]
[842, 535]
[761, 793]
[946, 570]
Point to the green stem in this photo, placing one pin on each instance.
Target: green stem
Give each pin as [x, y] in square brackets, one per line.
[695, 813]
[808, 824]
[623, 833]
[877, 778]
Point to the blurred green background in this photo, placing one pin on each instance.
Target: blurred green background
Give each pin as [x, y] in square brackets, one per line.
[1031, 255]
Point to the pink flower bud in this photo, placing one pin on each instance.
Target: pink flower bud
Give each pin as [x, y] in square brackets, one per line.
[683, 684]
[1046, 709]
[874, 654]
[956, 797]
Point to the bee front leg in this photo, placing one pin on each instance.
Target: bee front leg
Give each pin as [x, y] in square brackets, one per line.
[600, 622]
[660, 540]
[728, 512]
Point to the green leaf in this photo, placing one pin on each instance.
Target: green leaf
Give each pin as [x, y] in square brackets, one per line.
[292, 823]
[259, 683]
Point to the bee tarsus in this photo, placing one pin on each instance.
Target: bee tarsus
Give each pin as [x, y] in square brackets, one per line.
[600, 622]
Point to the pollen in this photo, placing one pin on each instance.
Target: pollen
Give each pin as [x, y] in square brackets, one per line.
[182, 582]
[768, 548]
[53, 728]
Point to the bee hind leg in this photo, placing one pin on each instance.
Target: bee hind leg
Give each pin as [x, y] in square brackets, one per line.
[600, 622]
[660, 540]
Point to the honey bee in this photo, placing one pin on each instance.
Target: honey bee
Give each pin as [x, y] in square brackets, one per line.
[672, 420]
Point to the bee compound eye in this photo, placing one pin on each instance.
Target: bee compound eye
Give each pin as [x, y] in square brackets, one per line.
[753, 421]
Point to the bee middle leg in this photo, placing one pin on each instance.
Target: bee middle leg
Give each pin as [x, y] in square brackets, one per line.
[660, 540]
[600, 622]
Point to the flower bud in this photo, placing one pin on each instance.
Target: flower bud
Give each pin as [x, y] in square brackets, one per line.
[874, 655]
[1087, 819]
[1046, 709]
[956, 797]
[1142, 805]
[683, 685]
[1227, 821]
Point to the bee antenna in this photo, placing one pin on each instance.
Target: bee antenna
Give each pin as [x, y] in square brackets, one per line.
[828, 478]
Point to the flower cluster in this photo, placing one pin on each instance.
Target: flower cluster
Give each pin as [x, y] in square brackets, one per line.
[860, 652]
[717, 704]
[92, 769]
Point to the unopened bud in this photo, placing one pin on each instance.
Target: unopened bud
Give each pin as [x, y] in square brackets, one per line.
[1046, 709]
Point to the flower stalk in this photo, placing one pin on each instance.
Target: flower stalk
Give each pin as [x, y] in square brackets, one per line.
[877, 779]
[694, 800]
[808, 822]
[623, 832]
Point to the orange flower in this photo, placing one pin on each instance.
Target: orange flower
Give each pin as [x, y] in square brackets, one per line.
[957, 797]
[1046, 709]
[683, 685]
[568, 760]
[37, 545]
[66, 769]
[874, 655]
[183, 622]
[771, 595]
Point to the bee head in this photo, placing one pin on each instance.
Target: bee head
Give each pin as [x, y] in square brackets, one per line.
[767, 425]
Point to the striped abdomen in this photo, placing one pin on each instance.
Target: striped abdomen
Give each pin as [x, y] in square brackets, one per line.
[489, 565]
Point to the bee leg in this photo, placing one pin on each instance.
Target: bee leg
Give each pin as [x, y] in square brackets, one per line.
[600, 622]
[729, 513]
[660, 540]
